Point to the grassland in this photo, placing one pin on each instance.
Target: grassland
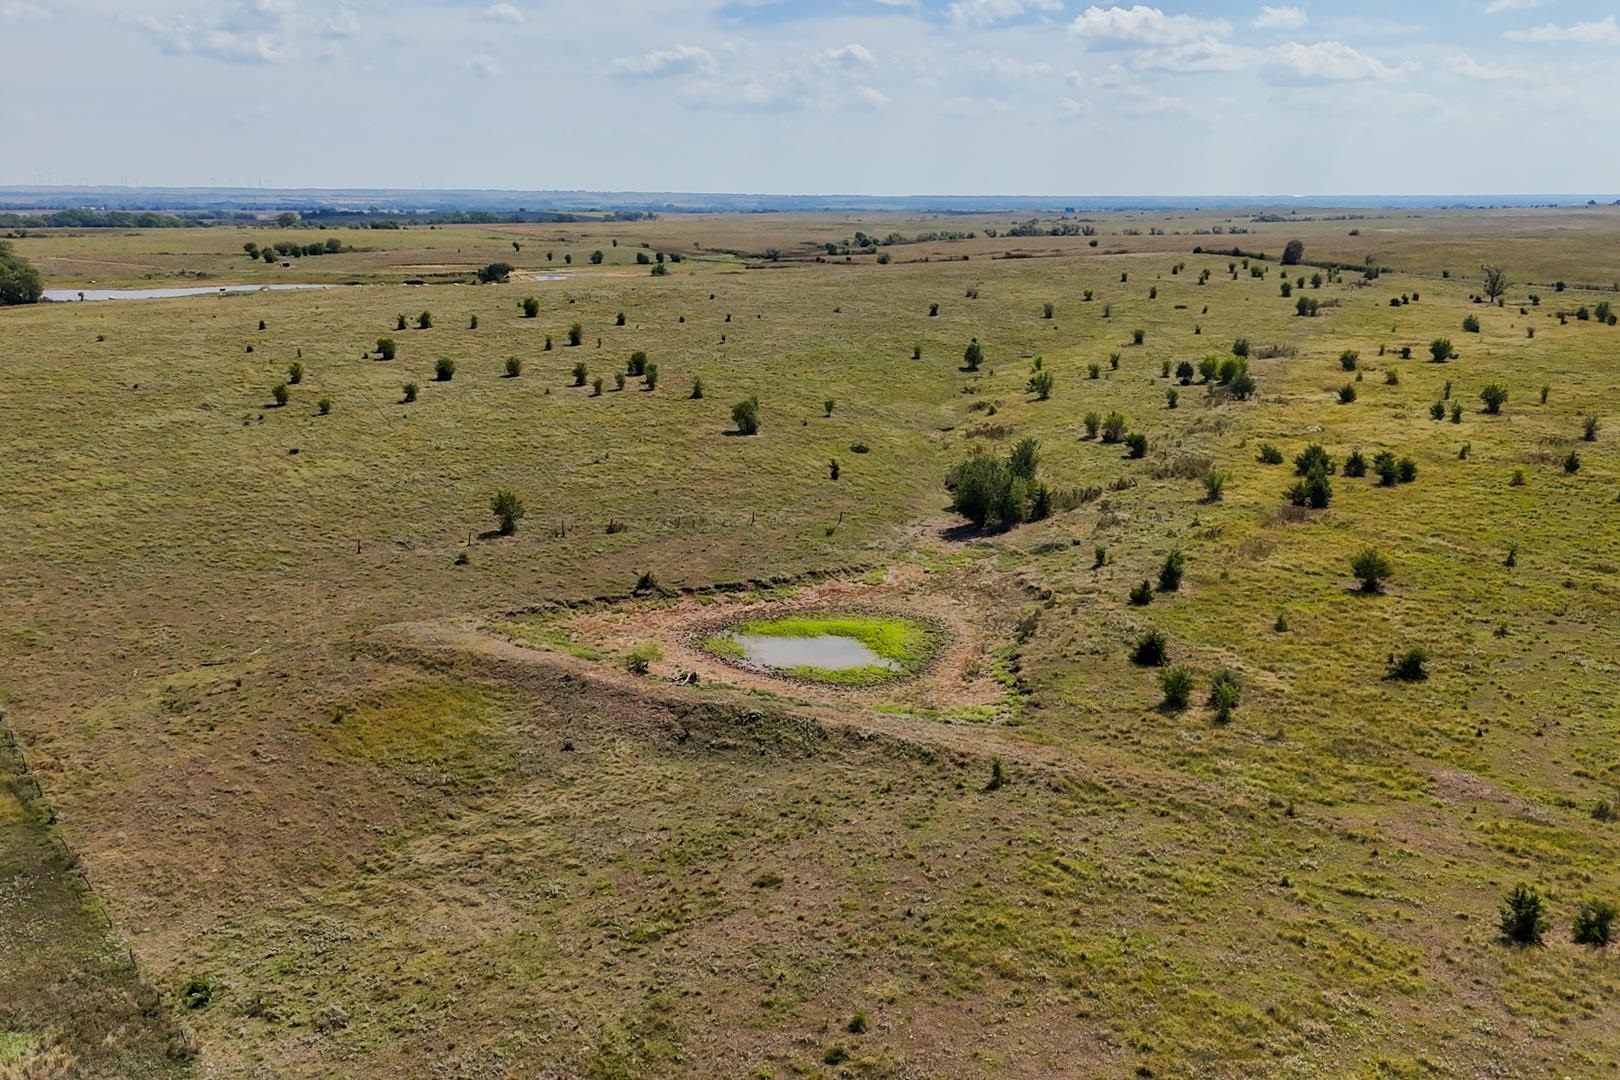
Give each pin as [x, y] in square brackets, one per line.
[439, 852]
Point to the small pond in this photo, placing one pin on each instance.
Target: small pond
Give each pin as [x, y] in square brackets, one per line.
[827, 652]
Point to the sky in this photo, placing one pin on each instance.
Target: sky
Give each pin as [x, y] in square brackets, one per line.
[882, 97]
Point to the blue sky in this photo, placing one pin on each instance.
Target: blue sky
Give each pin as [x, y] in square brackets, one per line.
[790, 96]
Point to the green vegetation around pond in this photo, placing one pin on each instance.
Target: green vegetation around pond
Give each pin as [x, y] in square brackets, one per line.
[849, 649]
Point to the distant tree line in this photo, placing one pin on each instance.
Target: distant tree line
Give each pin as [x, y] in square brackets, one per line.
[99, 219]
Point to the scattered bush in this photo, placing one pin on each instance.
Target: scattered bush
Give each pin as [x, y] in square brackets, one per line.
[1226, 689]
[1524, 918]
[1349, 360]
[495, 272]
[576, 335]
[1113, 428]
[1314, 459]
[1347, 394]
[514, 367]
[280, 393]
[1594, 923]
[1589, 428]
[324, 406]
[1214, 485]
[1177, 685]
[1470, 324]
[444, 370]
[1315, 491]
[1136, 445]
[1409, 665]
[1356, 464]
[1441, 350]
[745, 414]
[973, 355]
[531, 307]
[386, 349]
[424, 321]
[1093, 421]
[1572, 463]
[1371, 568]
[1170, 574]
[1040, 384]
[1142, 595]
[508, 510]
[410, 392]
[1149, 650]
[1270, 455]
[1494, 395]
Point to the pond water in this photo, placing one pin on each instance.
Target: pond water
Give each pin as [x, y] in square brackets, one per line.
[826, 651]
[74, 295]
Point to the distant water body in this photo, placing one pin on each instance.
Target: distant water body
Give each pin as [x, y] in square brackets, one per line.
[64, 296]
[73, 296]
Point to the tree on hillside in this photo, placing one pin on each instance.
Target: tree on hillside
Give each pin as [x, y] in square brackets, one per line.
[1294, 253]
[1495, 283]
[508, 509]
[20, 282]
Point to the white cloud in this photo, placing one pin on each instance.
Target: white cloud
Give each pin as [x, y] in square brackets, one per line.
[1328, 61]
[1280, 18]
[973, 107]
[1496, 7]
[254, 31]
[867, 98]
[506, 13]
[19, 11]
[680, 60]
[851, 56]
[1205, 55]
[486, 66]
[998, 66]
[1073, 108]
[1141, 25]
[984, 12]
[1604, 31]
[1465, 66]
